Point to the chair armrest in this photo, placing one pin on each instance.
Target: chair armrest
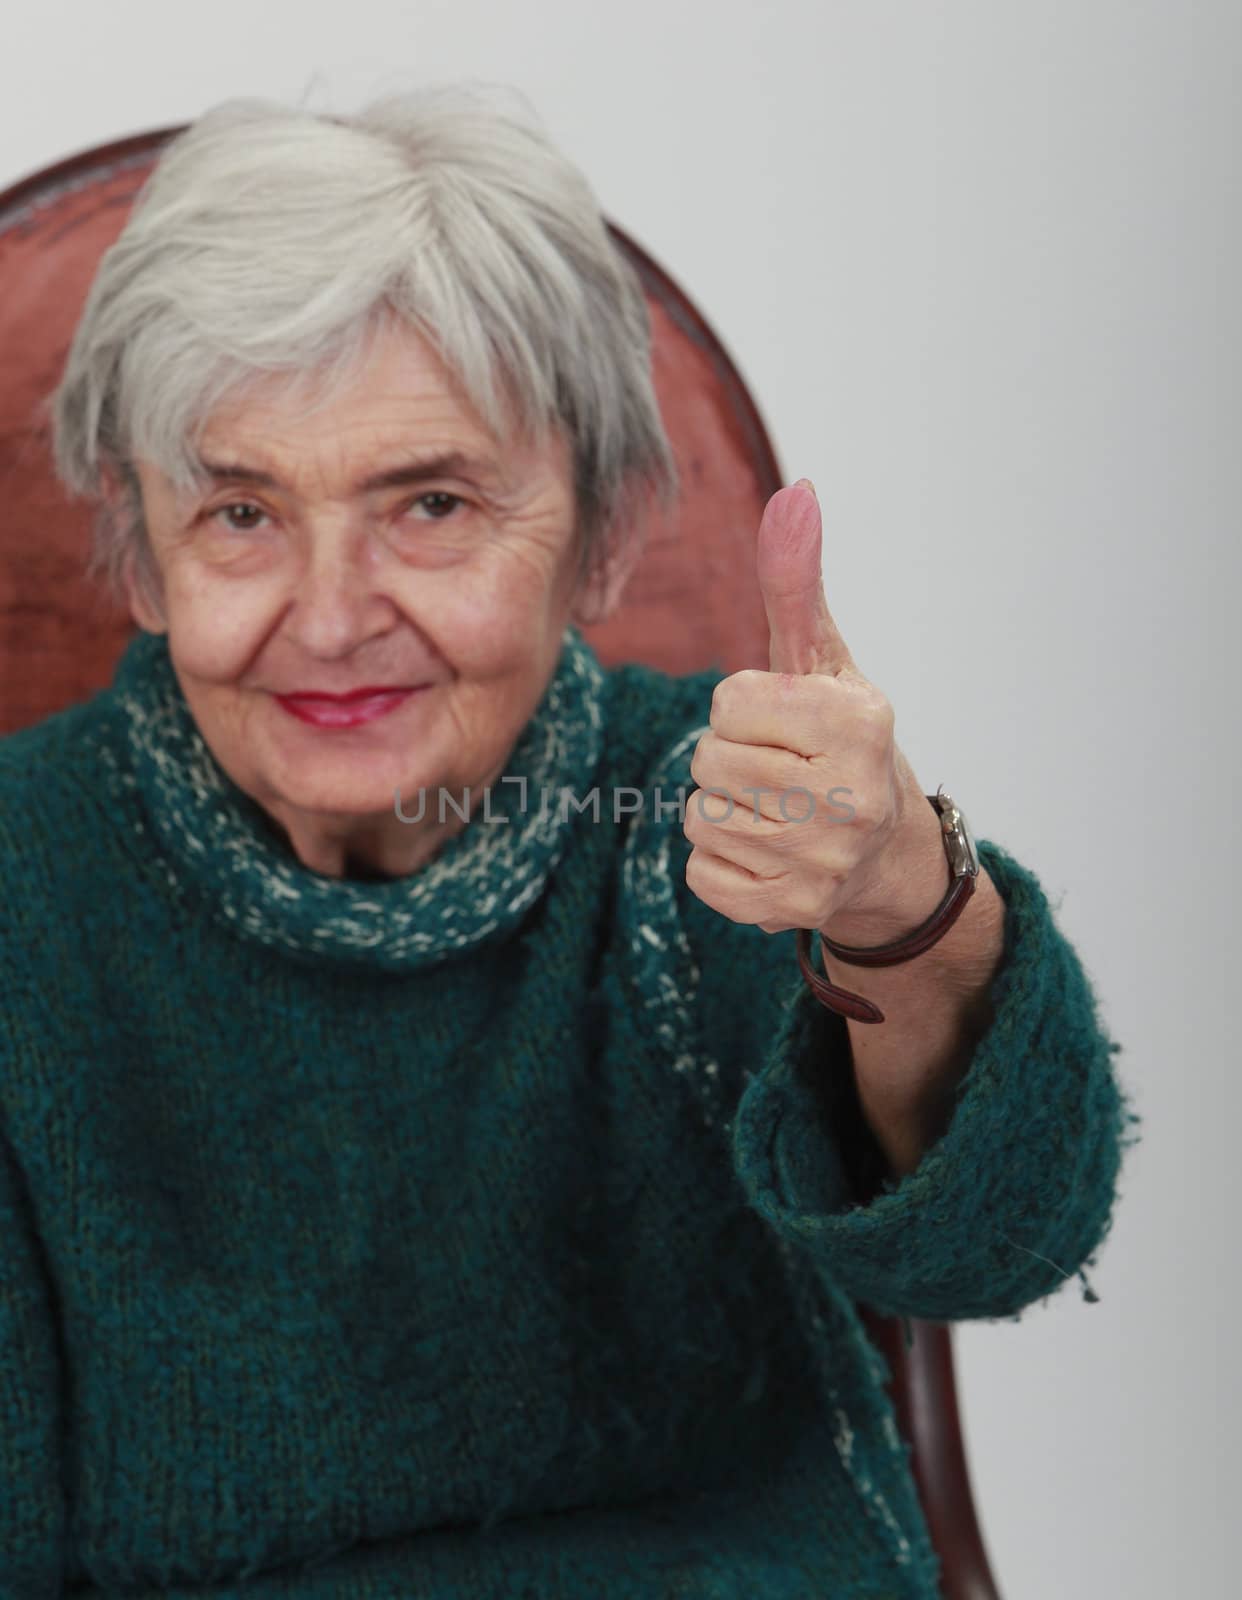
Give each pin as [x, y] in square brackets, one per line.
[924, 1396]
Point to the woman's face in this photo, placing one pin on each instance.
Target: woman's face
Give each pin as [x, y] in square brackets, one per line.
[321, 562]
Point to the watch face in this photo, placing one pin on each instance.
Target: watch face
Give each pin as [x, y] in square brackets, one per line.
[972, 851]
[960, 842]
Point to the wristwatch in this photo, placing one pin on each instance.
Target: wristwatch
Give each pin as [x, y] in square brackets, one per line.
[963, 859]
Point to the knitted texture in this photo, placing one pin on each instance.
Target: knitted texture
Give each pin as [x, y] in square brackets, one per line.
[496, 1232]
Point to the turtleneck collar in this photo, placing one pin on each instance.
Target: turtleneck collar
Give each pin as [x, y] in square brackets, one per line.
[218, 841]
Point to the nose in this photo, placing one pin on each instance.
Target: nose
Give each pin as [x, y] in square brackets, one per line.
[339, 604]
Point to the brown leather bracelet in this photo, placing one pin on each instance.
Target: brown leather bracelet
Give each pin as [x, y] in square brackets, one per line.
[963, 862]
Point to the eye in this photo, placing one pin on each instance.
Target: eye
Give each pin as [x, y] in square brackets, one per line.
[237, 505]
[439, 495]
[439, 503]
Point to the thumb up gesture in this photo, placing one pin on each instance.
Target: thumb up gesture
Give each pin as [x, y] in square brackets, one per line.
[806, 814]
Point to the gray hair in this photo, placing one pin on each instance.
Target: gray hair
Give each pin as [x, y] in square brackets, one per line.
[270, 239]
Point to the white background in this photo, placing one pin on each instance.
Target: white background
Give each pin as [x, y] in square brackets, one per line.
[980, 264]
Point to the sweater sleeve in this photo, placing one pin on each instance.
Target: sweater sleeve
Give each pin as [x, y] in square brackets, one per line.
[1018, 1191]
[31, 1497]
[33, 1516]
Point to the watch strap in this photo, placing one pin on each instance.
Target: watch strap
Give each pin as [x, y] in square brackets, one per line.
[963, 870]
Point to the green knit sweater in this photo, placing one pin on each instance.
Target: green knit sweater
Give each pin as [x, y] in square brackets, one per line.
[493, 1232]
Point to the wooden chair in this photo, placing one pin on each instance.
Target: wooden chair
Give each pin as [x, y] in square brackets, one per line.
[693, 603]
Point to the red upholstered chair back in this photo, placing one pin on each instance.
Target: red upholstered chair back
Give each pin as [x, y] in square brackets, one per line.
[694, 602]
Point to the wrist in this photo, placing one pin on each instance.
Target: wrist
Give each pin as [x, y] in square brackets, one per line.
[909, 891]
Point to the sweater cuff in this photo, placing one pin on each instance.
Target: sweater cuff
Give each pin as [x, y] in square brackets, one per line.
[1008, 1202]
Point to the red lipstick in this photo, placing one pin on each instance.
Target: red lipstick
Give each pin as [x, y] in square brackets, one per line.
[345, 710]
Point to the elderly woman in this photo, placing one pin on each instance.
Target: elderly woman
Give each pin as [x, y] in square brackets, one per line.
[431, 1165]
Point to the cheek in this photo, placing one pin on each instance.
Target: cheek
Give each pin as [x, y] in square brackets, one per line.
[486, 622]
[215, 632]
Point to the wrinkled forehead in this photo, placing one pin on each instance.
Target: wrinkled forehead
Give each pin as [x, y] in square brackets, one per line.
[351, 411]
[405, 468]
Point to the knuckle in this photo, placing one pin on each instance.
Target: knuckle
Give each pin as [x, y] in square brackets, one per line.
[882, 712]
[869, 811]
[694, 869]
[693, 822]
[880, 716]
[701, 756]
[730, 692]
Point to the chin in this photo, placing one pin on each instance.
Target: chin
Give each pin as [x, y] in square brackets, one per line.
[345, 790]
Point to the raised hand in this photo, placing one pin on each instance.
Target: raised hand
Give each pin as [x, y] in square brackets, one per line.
[807, 815]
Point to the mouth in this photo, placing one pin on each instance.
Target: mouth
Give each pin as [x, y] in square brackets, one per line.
[346, 710]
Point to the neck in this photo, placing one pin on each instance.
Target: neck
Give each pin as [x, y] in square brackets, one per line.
[377, 848]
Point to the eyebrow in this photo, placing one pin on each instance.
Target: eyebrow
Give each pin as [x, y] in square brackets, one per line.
[418, 470]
